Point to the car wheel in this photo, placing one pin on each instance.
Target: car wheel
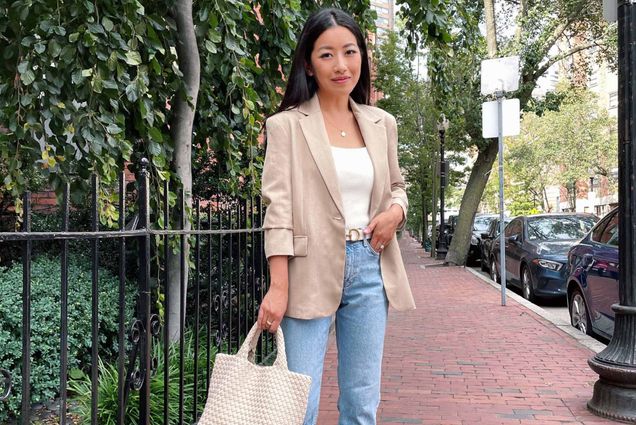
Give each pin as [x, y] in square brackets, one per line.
[494, 275]
[579, 317]
[526, 284]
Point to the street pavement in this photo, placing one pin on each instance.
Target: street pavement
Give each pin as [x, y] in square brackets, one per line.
[462, 358]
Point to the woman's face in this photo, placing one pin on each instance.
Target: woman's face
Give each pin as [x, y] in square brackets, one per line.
[335, 61]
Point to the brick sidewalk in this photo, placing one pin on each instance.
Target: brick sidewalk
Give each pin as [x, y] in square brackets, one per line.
[461, 358]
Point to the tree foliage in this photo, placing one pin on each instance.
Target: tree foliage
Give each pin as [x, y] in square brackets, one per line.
[408, 98]
[86, 87]
[562, 147]
[541, 33]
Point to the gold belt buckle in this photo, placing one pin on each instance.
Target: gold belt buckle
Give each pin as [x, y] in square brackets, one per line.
[357, 237]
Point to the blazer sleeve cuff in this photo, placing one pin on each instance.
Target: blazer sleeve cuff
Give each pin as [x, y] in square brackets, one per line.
[279, 242]
[401, 203]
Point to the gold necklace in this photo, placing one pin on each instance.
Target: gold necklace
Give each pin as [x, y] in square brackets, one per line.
[342, 132]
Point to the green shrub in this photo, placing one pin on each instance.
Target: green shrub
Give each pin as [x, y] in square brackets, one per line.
[80, 388]
[45, 324]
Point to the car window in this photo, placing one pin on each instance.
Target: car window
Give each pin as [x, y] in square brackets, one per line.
[494, 227]
[514, 228]
[610, 234]
[481, 224]
[559, 227]
[598, 231]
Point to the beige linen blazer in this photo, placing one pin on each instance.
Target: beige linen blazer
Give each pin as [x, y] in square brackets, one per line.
[305, 218]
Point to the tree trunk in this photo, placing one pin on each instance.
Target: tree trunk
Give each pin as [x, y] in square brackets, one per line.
[460, 244]
[491, 27]
[184, 108]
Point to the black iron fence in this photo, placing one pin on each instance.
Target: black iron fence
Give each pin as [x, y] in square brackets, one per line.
[156, 365]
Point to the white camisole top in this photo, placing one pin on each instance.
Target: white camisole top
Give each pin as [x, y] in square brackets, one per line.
[355, 176]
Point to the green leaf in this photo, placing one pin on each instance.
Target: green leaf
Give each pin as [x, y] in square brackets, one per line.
[76, 77]
[159, 162]
[28, 77]
[59, 31]
[113, 129]
[23, 67]
[232, 44]
[28, 41]
[155, 134]
[154, 148]
[54, 48]
[109, 84]
[131, 92]
[73, 37]
[108, 24]
[40, 48]
[96, 28]
[133, 58]
[210, 46]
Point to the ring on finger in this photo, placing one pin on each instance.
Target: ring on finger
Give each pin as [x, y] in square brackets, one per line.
[269, 323]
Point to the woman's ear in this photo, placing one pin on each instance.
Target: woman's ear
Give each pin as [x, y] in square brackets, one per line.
[308, 70]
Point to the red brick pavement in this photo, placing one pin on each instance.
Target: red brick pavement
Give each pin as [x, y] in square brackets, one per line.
[461, 358]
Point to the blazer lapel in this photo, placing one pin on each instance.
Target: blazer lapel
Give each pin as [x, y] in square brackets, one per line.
[313, 128]
[374, 134]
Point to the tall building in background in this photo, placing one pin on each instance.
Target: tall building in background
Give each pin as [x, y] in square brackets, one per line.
[386, 17]
[384, 23]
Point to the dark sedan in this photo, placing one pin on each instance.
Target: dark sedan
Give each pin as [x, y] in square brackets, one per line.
[481, 225]
[593, 278]
[487, 241]
[536, 251]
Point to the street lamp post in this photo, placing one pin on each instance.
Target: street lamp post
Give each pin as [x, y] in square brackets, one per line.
[442, 249]
[615, 391]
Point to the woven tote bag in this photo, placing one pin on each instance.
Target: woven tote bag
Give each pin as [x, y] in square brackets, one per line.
[243, 393]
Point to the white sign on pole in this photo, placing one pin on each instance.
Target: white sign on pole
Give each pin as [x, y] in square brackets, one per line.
[610, 10]
[511, 118]
[500, 74]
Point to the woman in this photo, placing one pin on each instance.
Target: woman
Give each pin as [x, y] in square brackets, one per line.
[335, 199]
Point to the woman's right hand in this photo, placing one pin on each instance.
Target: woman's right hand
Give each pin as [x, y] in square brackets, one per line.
[274, 304]
[273, 308]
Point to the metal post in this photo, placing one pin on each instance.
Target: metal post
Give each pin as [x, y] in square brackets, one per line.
[502, 224]
[144, 295]
[26, 313]
[442, 249]
[615, 393]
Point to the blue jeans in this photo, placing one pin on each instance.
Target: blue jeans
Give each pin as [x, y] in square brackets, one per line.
[360, 327]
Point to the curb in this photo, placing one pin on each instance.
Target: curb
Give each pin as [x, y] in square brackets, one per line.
[580, 337]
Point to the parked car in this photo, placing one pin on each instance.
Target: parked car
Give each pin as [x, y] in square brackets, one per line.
[536, 251]
[481, 224]
[487, 240]
[593, 278]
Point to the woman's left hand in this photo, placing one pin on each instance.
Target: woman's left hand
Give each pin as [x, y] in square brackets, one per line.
[383, 227]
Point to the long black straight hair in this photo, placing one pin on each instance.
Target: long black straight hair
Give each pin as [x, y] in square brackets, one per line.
[300, 86]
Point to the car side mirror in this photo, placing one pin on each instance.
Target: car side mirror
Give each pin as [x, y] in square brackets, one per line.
[485, 236]
[514, 238]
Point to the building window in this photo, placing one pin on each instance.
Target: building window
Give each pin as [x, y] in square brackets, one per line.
[613, 100]
[594, 80]
[382, 22]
